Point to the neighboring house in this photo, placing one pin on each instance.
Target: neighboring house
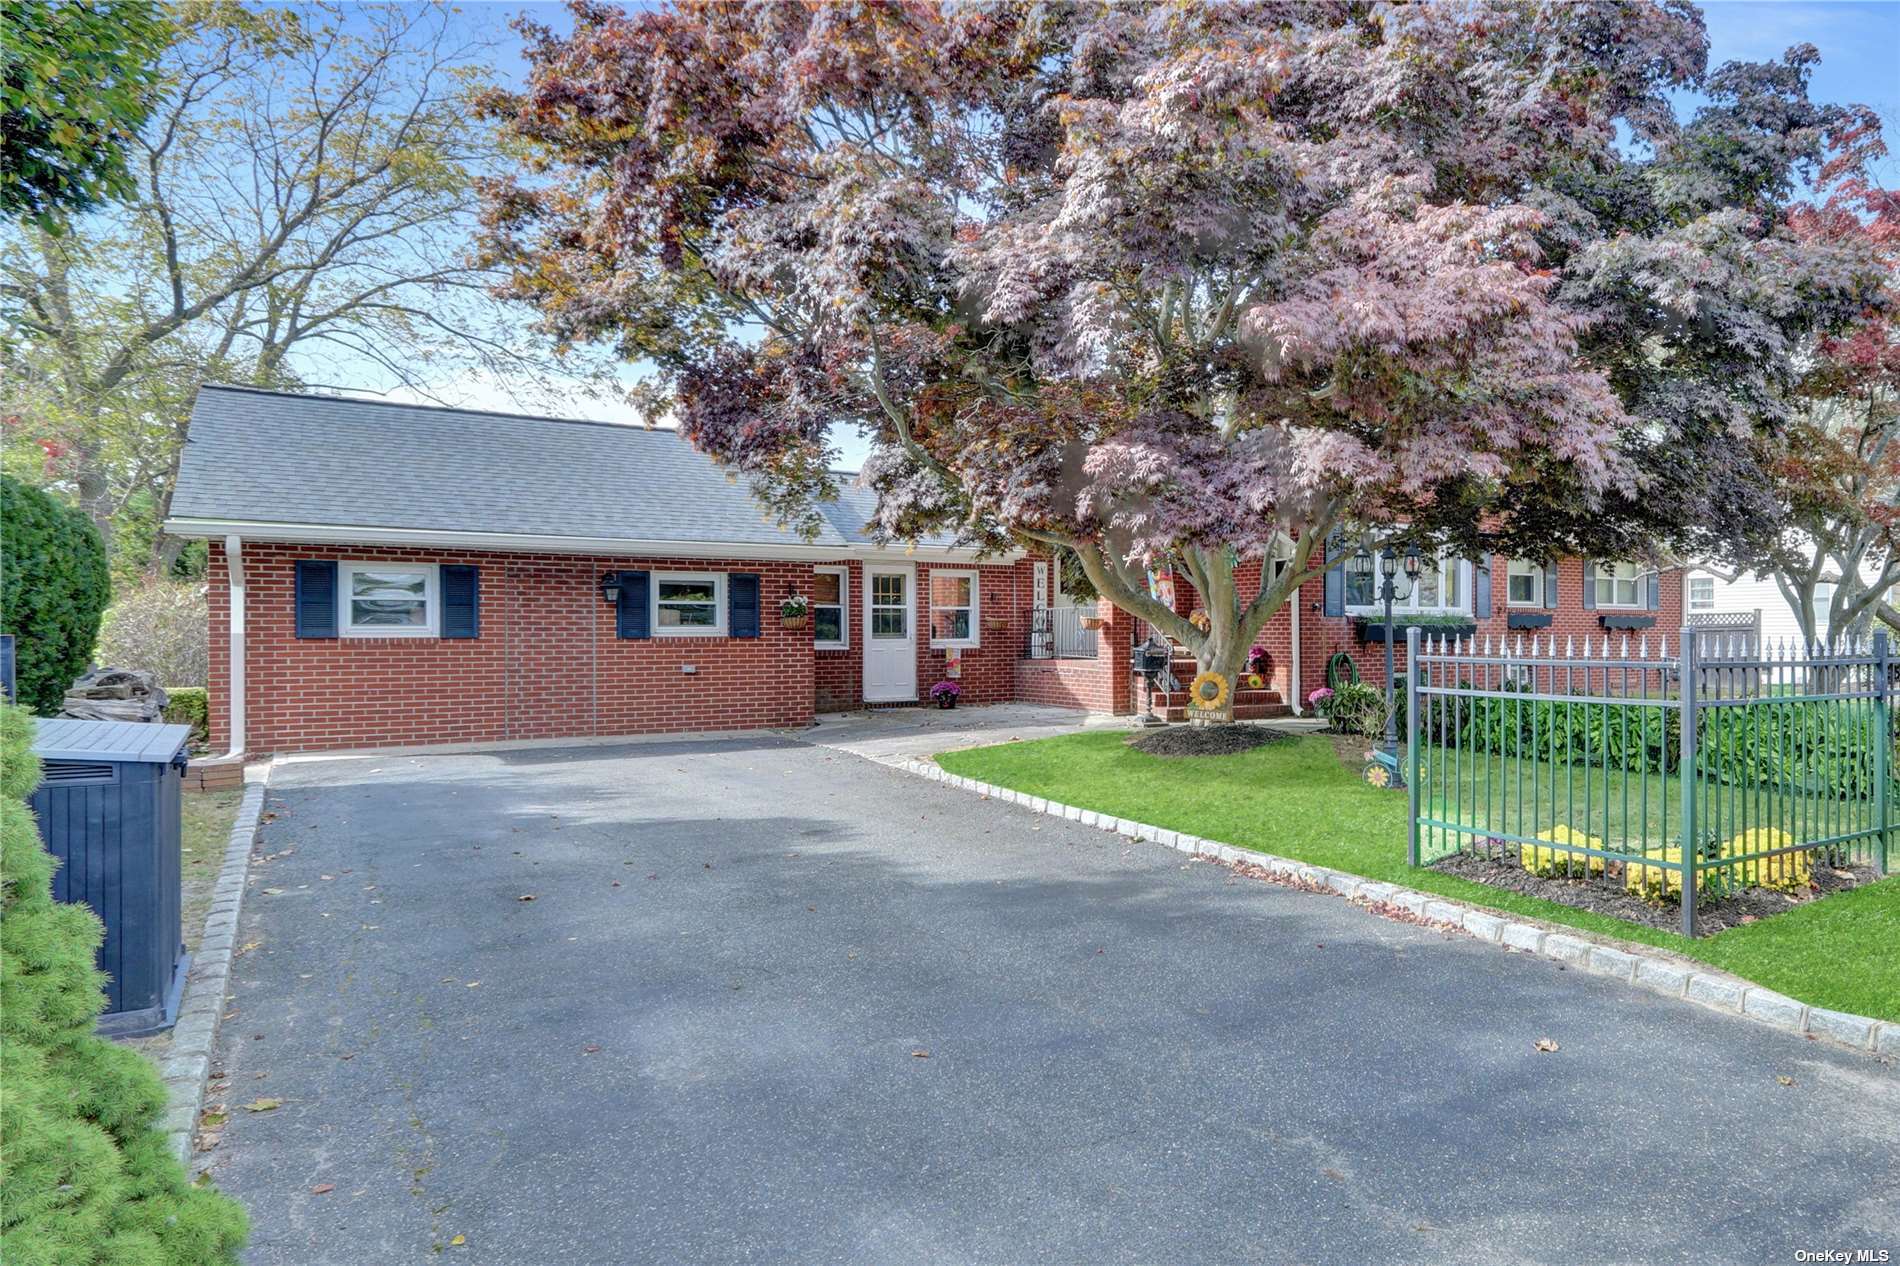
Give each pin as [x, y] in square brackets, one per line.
[1755, 597]
[392, 575]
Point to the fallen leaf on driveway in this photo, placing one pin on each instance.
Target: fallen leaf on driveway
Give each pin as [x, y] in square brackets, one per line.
[590, 1049]
[273, 892]
[473, 983]
[1545, 1045]
[1786, 1081]
[526, 896]
[460, 1239]
[263, 1105]
[208, 1140]
[920, 1053]
[323, 1189]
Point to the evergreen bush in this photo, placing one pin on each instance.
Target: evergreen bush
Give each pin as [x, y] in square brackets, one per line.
[84, 1175]
[53, 591]
[189, 705]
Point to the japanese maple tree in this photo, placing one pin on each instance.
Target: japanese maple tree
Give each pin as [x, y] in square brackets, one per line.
[1150, 283]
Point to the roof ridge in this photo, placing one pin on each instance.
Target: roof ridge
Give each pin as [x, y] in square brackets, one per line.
[432, 408]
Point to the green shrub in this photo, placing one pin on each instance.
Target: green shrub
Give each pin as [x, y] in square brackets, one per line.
[189, 705]
[53, 590]
[1356, 708]
[84, 1176]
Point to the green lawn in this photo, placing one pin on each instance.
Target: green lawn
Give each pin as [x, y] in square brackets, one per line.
[1298, 799]
[205, 831]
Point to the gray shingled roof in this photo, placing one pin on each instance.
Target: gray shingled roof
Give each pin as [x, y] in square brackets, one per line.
[275, 457]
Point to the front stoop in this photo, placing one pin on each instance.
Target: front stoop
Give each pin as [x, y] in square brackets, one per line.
[1628, 963]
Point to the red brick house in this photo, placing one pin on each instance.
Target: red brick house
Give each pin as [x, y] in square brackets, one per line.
[394, 575]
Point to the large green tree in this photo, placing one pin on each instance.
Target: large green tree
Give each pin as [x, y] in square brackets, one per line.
[302, 215]
[1187, 281]
[77, 79]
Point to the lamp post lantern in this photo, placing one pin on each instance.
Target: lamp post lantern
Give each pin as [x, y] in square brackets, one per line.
[1387, 757]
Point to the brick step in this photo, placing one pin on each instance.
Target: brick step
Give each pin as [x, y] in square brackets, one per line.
[1242, 712]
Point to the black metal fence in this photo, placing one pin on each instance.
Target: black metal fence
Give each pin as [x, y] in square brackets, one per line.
[1682, 777]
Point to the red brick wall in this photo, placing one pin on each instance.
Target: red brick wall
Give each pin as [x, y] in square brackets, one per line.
[547, 663]
[838, 675]
[1322, 637]
[989, 670]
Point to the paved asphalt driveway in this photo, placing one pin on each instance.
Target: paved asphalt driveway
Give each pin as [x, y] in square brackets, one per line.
[703, 1041]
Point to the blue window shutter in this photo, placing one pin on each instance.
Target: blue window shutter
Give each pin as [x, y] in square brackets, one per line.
[461, 602]
[1655, 591]
[1335, 577]
[1589, 586]
[633, 618]
[742, 605]
[1550, 583]
[1481, 589]
[315, 600]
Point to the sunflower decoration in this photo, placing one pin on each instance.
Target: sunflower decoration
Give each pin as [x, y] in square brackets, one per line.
[1208, 692]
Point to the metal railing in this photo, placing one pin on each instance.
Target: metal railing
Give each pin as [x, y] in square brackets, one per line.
[1597, 762]
[1058, 633]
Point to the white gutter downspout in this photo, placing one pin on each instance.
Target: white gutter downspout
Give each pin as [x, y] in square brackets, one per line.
[1299, 702]
[234, 567]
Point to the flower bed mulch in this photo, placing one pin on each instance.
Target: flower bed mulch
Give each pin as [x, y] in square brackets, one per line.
[1608, 896]
[1207, 740]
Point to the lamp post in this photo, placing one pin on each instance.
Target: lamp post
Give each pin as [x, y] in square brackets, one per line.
[1389, 592]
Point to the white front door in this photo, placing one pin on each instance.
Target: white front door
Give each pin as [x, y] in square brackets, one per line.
[890, 633]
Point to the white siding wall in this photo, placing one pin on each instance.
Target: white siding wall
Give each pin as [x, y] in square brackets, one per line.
[1751, 592]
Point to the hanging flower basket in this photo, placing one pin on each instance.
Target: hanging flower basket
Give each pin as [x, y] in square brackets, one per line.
[794, 611]
[1092, 621]
[995, 622]
[794, 621]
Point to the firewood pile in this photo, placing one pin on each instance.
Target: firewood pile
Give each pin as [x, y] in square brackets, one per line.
[115, 694]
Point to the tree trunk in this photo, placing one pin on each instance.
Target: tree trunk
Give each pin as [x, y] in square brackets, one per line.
[1226, 657]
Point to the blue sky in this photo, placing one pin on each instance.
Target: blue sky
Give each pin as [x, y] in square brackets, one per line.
[1859, 42]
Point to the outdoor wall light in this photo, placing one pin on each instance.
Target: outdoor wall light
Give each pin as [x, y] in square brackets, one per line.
[610, 588]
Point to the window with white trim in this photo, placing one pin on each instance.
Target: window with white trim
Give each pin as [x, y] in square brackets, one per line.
[1440, 589]
[1701, 593]
[831, 607]
[689, 604]
[953, 612]
[1524, 585]
[388, 600]
[1622, 585]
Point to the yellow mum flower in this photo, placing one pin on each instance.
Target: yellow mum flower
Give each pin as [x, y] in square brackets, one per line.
[1790, 872]
[1561, 861]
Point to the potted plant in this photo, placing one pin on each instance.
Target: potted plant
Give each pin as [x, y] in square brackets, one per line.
[946, 693]
[794, 611]
[1090, 620]
[1259, 661]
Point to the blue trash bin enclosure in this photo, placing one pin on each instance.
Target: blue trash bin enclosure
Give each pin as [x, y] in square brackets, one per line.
[108, 808]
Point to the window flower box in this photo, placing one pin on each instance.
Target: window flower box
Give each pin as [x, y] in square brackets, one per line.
[1529, 620]
[1627, 622]
[1370, 631]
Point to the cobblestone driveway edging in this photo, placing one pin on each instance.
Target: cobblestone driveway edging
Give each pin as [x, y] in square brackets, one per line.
[1627, 962]
[188, 1061]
